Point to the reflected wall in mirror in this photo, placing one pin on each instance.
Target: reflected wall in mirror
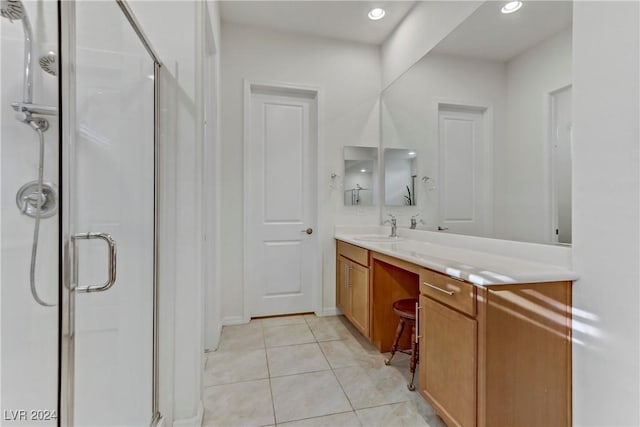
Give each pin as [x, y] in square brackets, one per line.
[489, 109]
[361, 176]
[400, 175]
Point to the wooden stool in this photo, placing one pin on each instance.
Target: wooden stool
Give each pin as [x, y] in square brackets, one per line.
[406, 310]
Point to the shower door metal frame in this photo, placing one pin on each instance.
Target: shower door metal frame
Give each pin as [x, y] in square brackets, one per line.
[67, 126]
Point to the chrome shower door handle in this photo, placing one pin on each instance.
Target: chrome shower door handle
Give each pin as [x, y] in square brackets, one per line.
[111, 245]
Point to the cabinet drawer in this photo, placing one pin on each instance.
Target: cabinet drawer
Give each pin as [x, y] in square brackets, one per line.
[354, 253]
[455, 293]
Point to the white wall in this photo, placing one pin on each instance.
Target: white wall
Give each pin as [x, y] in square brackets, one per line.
[421, 30]
[525, 212]
[212, 177]
[606, 220]
[349, 77]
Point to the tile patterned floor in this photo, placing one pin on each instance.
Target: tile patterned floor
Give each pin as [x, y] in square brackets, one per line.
[307, 371]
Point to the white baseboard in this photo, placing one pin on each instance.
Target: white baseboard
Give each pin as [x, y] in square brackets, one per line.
[334, 311]
[216, 342]
[233, 320]
[193, 421]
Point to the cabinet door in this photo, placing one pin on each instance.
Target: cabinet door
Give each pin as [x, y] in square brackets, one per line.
[448, 362]
[359, 286]
[343, 294]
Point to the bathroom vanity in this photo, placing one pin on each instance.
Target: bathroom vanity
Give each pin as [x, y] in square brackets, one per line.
[494, 332]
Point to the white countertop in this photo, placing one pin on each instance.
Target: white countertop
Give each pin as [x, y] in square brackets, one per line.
[474, 266]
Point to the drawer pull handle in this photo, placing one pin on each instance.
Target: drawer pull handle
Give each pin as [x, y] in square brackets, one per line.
[444, 291]
[418, 308]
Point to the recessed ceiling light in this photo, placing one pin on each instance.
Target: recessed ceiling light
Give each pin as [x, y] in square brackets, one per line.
[511, 7]
[375, 14]
[363, 170]
[412, 153]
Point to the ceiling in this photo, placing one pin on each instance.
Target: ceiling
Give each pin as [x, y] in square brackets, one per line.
[489, 34]
[344, 20]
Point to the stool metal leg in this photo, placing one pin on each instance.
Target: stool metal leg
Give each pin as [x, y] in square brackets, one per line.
[394, 347]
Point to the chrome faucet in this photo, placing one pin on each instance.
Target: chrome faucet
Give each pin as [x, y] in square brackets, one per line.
[392, 221]
[414, 222]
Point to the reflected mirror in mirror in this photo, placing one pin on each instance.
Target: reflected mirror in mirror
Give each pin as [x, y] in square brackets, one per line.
[400, 174]
[360, 176]
[489, 109]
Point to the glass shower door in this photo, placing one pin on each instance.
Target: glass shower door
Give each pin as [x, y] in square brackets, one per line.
[111, 222]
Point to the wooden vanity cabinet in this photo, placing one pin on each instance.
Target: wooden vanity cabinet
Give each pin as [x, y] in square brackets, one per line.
[448, 359]
[495, 355]
[352, 285]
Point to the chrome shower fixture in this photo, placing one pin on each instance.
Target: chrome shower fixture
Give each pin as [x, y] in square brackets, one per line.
[49, 63]
[12, 10]
[36, 199]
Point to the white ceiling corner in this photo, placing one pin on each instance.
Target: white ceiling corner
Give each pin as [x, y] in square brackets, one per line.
[344, 20]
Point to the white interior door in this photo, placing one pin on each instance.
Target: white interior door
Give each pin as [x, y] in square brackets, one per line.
[112, 192]
[463, 194]
[561, 139]
[281, 263]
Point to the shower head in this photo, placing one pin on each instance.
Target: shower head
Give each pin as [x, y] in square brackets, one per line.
[49, 63]
[12, 10]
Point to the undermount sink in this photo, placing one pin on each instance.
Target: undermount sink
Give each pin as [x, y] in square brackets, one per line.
[378, 238]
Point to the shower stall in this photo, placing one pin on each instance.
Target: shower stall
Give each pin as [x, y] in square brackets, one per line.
[78, 221]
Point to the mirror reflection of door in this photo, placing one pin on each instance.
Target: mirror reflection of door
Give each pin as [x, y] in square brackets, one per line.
[561, 141]
[463, 172]
[400, 174]
[360, 176]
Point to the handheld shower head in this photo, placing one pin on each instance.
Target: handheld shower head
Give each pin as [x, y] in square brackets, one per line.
[12, 10]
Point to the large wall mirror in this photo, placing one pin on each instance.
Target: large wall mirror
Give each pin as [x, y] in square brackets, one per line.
[489, 111]
[361, 176]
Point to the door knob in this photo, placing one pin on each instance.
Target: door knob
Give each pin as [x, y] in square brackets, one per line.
[308, 231]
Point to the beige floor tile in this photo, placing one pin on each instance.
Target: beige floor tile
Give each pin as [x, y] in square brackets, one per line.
[373, 386]
[242, 337]
[349, 352]
[313, 318]
[398, 415]
[400, 363]
[287, 335]
[241, 404]
[281, 321]
[296, 359]
[421, 405]
[316, 320]
[326, 329]
[435, 421]
[346, 419]
[232, 366]
[309, 395]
